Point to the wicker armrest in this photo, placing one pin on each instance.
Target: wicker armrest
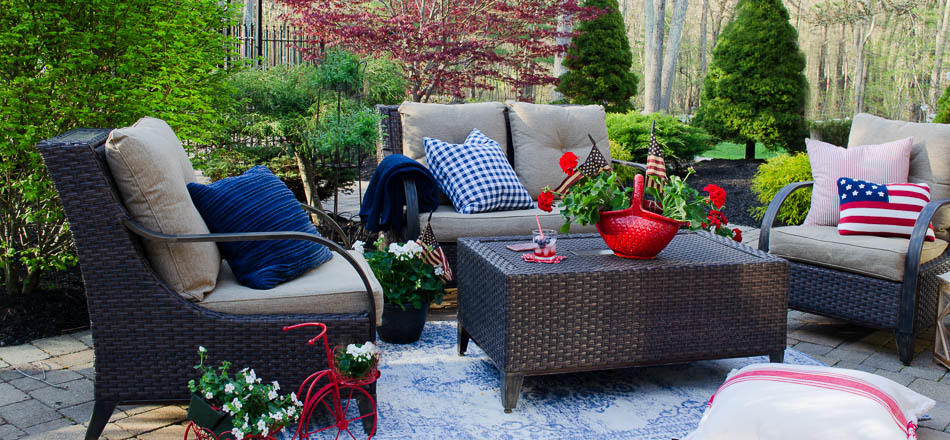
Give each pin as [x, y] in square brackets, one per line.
[255, 236]
[774, 207]
[625, 163]
[912, 261]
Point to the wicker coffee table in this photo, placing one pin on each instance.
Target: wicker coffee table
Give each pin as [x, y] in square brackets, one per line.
[703, 297]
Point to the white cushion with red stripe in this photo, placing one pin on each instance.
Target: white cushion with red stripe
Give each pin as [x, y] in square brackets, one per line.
[869, 208]
[780, 401]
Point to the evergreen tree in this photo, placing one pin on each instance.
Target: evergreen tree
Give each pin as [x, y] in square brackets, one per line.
[599, 60]
[943, 108]
[756, 89]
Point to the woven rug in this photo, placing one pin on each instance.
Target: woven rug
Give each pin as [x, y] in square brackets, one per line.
[427, 391]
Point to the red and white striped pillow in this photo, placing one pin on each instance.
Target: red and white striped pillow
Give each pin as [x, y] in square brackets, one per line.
[886, 163]
[869, 208]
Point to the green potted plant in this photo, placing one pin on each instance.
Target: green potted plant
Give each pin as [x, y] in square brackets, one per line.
[356, 363]
[631, 227]
[241, 405]
[410, 285]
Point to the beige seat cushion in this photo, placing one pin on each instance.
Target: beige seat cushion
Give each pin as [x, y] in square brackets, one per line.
[881, 257]
[451, 123]
[334, 287]
[542, 133]
[448, 225]
[929, 158]
[151, 169]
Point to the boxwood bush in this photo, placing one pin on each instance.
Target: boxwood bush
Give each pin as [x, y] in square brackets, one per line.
[833, 131]
[680, 142]
[772, 176]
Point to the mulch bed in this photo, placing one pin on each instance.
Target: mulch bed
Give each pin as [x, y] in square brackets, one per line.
[60, 305]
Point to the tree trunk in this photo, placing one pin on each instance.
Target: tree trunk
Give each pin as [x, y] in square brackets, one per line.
[671, 55]
[862, 32]
[654, 23]
[822, 76]
[839, 74]
[750, 149]
[702, 42]
[563, 25]
[305, 168]
[935, 88]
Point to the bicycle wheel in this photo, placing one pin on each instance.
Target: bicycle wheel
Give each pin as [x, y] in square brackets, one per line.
[332, 416]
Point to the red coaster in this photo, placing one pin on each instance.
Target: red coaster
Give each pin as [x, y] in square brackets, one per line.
[532, 258]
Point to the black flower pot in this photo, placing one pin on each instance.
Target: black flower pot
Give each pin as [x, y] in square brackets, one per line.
[402, 326]
[204, 415]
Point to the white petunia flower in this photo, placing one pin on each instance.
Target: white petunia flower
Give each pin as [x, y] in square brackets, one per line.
[250, 377]
[238, 435]
[276, 385]
[438, 270]
[209, 395]
[358, 246]
[202, 349]
[262, 425]
[277, 416]
[229, 388]
[272, 395]
[236, 404]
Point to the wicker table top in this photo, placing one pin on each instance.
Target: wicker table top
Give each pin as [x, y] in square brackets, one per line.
[588, 252]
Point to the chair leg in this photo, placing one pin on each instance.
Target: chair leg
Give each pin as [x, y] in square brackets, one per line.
[101, 412]
[905, 347]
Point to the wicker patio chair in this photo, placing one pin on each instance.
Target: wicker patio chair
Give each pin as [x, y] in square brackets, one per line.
[145, 334]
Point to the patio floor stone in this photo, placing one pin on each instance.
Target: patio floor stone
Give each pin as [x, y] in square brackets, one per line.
[31, 408]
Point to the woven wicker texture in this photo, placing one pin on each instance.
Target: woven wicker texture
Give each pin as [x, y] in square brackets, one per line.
[704, 297]
[146, 336]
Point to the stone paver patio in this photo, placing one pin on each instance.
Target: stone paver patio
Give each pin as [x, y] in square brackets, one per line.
[59, 406]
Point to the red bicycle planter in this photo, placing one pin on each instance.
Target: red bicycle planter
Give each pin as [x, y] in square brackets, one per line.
[326, 407]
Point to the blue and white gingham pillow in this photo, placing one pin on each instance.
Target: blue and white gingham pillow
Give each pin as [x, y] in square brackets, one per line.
[476, 175]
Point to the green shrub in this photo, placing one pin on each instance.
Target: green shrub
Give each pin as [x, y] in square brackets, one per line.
[385, 82]
[624, 174]
[104, 63]
[680, 142]
[943, 108]
[835, 131]
[598, 61]
[772, 176]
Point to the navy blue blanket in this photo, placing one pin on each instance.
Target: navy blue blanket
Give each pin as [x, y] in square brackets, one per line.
[385, 195]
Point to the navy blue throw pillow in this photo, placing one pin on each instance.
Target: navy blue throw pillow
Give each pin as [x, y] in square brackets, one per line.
[257, 201]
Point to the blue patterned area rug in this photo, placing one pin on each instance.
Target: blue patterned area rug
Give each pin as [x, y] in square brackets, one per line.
[427, 391]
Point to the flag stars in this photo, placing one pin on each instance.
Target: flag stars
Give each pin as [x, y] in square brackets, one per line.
[880, 193]
[843, 182]
[844, 196]
[869, 192]
[855, 193]
[848, 187]
[861, 186]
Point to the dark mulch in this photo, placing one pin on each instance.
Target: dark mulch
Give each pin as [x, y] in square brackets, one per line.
[735, 176]
[57, 307]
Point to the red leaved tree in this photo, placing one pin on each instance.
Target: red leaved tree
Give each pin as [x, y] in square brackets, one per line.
[444, 46]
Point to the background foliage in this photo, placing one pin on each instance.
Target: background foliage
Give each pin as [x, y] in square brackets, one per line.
[834, 131]
[943, 108]
[680, 142]
[772, 176]
[63, 67]
[599, 61]
[755, 90]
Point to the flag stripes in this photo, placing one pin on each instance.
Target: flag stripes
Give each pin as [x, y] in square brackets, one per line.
[884, 210]
[656, 166]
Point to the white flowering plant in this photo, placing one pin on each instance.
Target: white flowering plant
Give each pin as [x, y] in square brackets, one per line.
[408, 280]
[356, 361]
[256, 408]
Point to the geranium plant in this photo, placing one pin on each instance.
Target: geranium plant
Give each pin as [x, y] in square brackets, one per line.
[683, 203]
[255, 407]
[356, 360]
[407, 279]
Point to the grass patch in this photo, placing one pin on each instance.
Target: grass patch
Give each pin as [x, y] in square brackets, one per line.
[729, 150]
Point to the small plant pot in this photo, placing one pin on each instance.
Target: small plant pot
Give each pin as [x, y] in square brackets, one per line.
[402, 326]
[206, 416]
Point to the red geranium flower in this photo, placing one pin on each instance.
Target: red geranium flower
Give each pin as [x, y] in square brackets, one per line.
[717, 195]
[545, 200]
[737, 235]
[568, 162]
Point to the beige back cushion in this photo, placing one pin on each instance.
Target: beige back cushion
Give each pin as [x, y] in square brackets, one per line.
[450, 123]
[929, 158]
[151, 169]
[542, 133]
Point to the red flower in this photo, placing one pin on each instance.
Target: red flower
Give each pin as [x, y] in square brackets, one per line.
[568, 162]
[717, 218]
[717, 195]
[737, 235]
[545, 199]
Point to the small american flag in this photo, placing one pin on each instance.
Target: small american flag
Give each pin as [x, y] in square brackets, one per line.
[592, 166]
[656, 167]
[885, 210]
[433, 253]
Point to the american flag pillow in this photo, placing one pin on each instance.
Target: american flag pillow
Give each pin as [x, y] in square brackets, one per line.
[886, 210]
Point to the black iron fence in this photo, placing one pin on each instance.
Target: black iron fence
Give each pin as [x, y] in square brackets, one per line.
[268, 46]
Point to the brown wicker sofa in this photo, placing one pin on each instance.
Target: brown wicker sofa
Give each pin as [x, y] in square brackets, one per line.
[145, 334]
[879, 282]
[513, 125]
